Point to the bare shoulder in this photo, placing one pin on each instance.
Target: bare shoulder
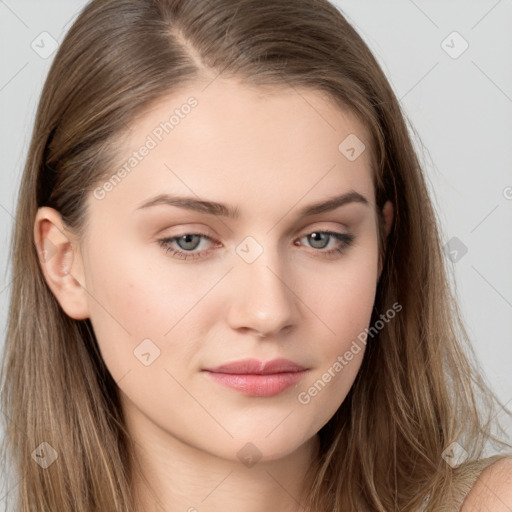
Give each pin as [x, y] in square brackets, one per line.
[492, 491]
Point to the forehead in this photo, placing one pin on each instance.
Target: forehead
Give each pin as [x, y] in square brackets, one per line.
[226, 140]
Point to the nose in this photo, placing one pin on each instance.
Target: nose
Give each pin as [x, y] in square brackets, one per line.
[262, 300]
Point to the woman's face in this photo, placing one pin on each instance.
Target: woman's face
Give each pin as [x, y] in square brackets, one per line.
[163, 318]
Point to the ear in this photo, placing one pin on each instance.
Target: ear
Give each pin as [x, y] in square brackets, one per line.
[387, 212]
[388, 216]
[61, 262]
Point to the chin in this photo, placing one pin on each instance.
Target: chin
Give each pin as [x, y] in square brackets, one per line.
[262, 447]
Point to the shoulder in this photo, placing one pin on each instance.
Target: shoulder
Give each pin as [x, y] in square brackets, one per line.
[492, 491]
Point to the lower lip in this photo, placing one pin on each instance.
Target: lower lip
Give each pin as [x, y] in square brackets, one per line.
[258, 385]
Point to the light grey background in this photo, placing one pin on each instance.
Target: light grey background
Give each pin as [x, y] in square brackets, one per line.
[460, 107]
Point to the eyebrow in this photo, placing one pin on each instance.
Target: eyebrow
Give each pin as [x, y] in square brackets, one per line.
[223, 210]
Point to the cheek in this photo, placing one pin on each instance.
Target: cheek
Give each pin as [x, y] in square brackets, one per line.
[344, 294]
[140, 297]
[343, 299]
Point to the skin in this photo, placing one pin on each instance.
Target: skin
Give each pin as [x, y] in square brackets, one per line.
[492, 491]
[269, 152]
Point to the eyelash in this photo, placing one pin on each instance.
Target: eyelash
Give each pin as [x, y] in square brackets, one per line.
[346, 240]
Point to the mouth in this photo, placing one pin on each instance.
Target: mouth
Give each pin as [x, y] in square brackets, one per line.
[256, 378]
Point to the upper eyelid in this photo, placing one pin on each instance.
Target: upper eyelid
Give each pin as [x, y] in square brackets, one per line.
[329, 231]
[211, 235]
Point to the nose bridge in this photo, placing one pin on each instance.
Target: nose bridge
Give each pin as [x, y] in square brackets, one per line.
[262, 298]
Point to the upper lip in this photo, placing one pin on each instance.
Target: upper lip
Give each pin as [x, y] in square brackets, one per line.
[256, 367]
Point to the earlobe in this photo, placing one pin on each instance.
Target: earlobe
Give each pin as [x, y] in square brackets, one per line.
[60, 262]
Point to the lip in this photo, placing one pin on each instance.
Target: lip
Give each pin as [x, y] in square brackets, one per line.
[256, 367]
[257, 378]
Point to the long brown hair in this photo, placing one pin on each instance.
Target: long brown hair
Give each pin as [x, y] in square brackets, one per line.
[418, 389]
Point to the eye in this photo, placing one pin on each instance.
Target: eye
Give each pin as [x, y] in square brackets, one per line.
[184, 246]
[186, 243]
[321, 239]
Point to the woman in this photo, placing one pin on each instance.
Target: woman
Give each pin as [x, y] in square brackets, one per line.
[229, 284]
